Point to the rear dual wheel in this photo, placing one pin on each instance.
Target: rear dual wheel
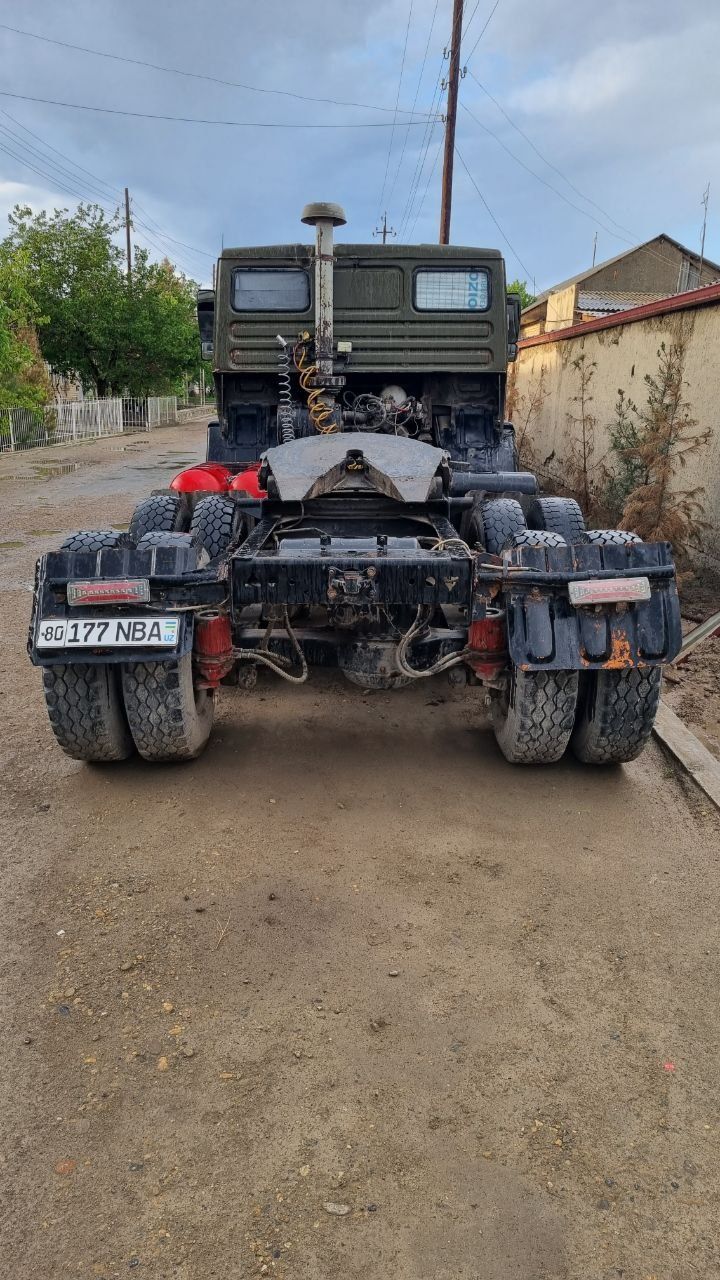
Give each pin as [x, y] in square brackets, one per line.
[534, 715]
[84, 699]
[170, 718]
[102, 712]
[616, 710]
[160, 513]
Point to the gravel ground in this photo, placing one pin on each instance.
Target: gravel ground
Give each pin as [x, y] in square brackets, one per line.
[348, 997]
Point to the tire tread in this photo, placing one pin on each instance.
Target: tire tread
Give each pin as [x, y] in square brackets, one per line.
[162, 712]
[623, 706]
[538, 726]
[502, 519]
[85, 711]
[160, 513]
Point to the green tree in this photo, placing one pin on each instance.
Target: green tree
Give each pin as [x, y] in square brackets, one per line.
[23, 379]
[117, 336]
[161, 340]
[520, 287]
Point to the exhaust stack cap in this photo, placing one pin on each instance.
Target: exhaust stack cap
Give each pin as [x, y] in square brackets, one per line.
[316, 212]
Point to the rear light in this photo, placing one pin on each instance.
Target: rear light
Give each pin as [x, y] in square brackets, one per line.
[104, 591]
[487, 640]
[609, 591]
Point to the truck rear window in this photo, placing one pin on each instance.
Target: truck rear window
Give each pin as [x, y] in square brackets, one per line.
[467, 289]
[270, 289]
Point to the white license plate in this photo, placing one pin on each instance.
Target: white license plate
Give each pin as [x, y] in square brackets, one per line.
[107, 633]
[609, 591]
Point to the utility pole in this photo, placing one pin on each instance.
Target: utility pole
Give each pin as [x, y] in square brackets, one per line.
[594, 248]
[452, 104]
[127, 236]
[384, 230]
[705, 201]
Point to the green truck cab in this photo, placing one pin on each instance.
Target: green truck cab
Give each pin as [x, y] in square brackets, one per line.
[426, 326]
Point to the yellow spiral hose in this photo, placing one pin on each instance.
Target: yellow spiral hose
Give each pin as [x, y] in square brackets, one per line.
[320, 413]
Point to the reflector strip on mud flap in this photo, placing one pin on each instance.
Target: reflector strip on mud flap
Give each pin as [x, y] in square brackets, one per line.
[546, 631]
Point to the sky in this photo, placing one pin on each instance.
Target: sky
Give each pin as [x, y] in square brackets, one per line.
[574, 120]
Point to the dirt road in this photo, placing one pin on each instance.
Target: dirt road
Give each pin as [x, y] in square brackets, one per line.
[349, 960]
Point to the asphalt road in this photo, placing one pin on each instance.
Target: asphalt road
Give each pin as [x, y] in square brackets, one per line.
[350, 958]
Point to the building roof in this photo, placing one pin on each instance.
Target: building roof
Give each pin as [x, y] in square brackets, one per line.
[609, 262]
[610, 300]
[706, 295]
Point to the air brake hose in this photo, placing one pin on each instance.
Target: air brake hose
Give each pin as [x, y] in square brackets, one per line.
[321, 414]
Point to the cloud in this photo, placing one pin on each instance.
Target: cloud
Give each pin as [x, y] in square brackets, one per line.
[620, 98]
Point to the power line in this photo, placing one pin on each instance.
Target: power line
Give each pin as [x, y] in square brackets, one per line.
[70, 184]
[636, 240]
[114, 191]
[482, 33]
[59, 186]
[235, 124]
[181, 243]
[417, 91]
[544, 159]
[422, 153]
[145, 235]
[397, 99]
[528, 274]
[431, 175]
[167, 246]
[197, 75]
[560, 194]
[38, 157]
[468, 23]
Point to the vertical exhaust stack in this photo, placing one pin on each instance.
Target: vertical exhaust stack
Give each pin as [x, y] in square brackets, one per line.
[324, 217]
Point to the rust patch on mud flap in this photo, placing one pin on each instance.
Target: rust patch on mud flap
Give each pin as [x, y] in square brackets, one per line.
[620, 653]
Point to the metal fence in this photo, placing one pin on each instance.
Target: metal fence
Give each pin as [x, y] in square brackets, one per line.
[67, 421]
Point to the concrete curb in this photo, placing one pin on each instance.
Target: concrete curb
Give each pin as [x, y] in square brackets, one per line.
[689, 751]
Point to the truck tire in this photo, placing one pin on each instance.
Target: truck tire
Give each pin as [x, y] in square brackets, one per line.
[538, 538]
[533, 720]
[93, 540]
[168, 717]
[86, 711]
[502, 518]
[612, 537]
[616, 711]
[161, 513]
[216, 522]
[616, 714]
[558, 515]
[83, 700]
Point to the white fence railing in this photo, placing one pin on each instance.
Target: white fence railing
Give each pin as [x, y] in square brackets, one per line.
[67, 421]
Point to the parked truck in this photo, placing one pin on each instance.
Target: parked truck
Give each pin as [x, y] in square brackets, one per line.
[360, 506]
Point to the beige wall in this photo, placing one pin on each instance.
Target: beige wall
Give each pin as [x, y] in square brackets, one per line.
[561, 309]
[623, 355]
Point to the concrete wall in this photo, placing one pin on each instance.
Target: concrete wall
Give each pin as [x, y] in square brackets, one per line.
[543, 382]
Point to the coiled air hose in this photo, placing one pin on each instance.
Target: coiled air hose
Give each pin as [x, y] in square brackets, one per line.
[321, 414]
[285, 407]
